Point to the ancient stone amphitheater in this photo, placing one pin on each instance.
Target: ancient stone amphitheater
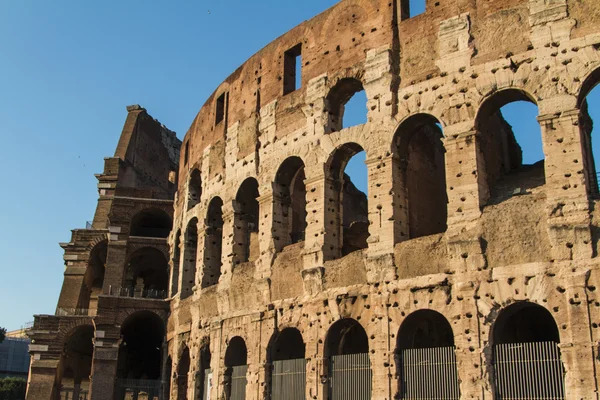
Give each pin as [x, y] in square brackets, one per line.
[249, 267]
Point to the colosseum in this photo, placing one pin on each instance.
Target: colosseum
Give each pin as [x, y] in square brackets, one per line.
[242, 263]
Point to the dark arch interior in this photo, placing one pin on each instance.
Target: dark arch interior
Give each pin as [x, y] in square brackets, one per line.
[188, 279]
[203, 365]
[194, 189]
[345, 337]
[151, 223]
[94, 277]
[77, 356]
[287, 345]
[503, 155]
[342, 93]
[291, 193]
[247, 221]
[147, 272]
[425, 329]
[354, 203]
[525, 323]
[176, 264]
[421, 152]
[213, 245]
[236, 353]
[140, 352]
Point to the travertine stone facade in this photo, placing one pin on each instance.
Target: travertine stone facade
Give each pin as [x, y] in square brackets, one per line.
[458, 246]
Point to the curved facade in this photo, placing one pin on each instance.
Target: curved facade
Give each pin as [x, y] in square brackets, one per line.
[462, 274]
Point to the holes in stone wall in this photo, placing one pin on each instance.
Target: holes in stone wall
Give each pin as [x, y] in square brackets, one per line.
[289, 203]
[347, 104]
[194, 189]
[346, 205]
[213, 243]
[421, 182]
[513, 156]
[246, 247]
[292, 69]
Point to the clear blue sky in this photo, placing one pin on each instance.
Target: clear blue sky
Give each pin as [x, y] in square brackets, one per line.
[67, 71]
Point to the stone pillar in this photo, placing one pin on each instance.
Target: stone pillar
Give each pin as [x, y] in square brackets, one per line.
[42, 379]
[104, 371]
[382, 223]
[567, 205]
[115, 264]
[381, 356]
[201, 245]
[467, 192]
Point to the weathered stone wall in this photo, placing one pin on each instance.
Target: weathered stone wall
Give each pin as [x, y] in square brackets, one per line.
[502, 234]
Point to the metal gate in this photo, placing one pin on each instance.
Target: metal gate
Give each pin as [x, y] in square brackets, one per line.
[288, 380]
[350, 377]
[428, 374]
[528, 371]
[238, 383]
[207, 384]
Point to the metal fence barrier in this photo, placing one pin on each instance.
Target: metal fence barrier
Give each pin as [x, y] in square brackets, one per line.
[428, 374]
[138, 389]
[350, 377]
[528, 371]
[288, 380]
[238, 383]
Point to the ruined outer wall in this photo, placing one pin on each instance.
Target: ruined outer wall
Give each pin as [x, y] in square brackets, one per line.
[446, 63]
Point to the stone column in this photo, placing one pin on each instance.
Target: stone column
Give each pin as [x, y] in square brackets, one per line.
[104, 371]
[467, 191]
[201, 245]
[567, 205]
[42, 379]
[115, 264]
[381, 355]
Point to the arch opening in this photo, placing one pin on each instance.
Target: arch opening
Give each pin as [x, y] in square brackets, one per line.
[349, 367]
[589, 111]
[236, 360]
[190, 249]
[176, 261]
[347, 214]
[146, 274]
[289, 203]
[525, 343]
[194, 189]
[421, 181]
[183, 369]
[76, 363]
[510, 140]
[213, 243]
[93, 279]
[151, 223]
[246, 222]
[425, 353]
[204, 373]
[346, 104]
[286, 353]
[140, 354]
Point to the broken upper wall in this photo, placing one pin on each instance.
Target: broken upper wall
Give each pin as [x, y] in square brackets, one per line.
[332, 42]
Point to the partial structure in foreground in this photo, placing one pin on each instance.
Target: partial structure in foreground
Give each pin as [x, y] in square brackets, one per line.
[460, 271]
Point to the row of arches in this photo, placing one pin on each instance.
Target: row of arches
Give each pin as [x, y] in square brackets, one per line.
[424, 357]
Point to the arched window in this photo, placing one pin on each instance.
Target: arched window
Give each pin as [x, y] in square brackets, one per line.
[425, 353]
[194, 189]
[246, 222]
[151, 223]
[93, 279]
[589, 111]
[288, 373]
[146, 274]
[183, 369]
[76, 363]
[190, 249]
[347, 104]
[203, 373]
[236, 362]
[349, 367]
[525, 339]
[509, 138]
[176, 264]
[213, 243]
[289, 203]
[347, 220]
[140, 353]
[421, 181]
